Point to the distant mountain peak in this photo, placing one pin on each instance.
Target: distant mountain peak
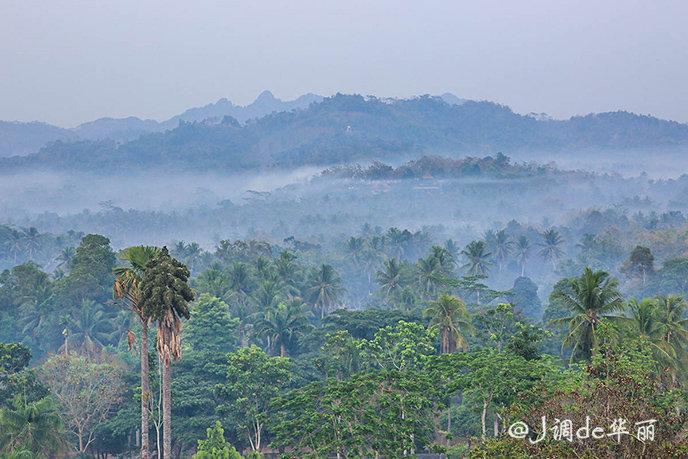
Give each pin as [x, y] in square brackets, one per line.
[266, 96]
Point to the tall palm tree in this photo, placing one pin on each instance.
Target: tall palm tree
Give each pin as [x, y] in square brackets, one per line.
[522, 252]
[354, 247]
[325, 288]
[444, 257]
[449, 316]
[551, 246]
[241, 284]
[478, 258]
[646, 324]
[673, 321]
[32, 241]
[502, 247]
[590, 298]
[34, 427]
[390, 277]
[428, 274]
[284, 324]
[15, 244]
[288, 272]
[165, 297]
[127, 286]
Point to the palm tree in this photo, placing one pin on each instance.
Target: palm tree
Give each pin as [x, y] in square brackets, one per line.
[478, 258]
[673, 321]
[32, 241]
[283, 325]
[354, 247]
[444, 257]
[522, 252]
[502, 247]
[551, 250]
[449, 316]
[325, 288]
[65, 257]
[390, 277]
[89, 328]
[241, 284]
[15, 244]
[32, 427]
[590, 298]
[165, 297]
[429, 274]
[287, 270]
[645, 323]
[127, 286]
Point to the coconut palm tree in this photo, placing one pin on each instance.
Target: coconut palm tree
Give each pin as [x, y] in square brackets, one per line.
[590, 298]
[645, 323]
[165, 297]
[354, 247]
[449, 316]
[14, 244]
[551, 246]
[522, 252]
[65, 257]
[390, 277]
[673, 321]
[32, 427]
[32, 241]
[325, 288]
[283, 325]
[444, 257]
[241, 285]
[428, 274]
[88, 329]
[478, 258]
[127, 287]
[502, 247]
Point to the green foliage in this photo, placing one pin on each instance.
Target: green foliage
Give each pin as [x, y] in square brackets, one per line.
[164, 287]
[211, 328]
[253, 379]
[215, 446]
[364, 416]
[31, 427]
[405, 346]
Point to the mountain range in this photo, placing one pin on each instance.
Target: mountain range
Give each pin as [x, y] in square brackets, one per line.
[311, 131]
[17, 138]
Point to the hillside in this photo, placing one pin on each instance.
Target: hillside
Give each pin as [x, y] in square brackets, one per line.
[346, 128]
[19, 139]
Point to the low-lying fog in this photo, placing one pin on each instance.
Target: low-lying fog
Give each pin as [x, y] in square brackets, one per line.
[158, 208]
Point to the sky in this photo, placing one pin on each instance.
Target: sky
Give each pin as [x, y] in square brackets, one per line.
[66, 62]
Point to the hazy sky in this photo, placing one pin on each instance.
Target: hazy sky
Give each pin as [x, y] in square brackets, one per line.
[66, 62]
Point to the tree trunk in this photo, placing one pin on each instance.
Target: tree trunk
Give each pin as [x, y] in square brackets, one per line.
[496, 426]
[145, 388]
[283, 350]
[166, 406]
[482, 417]
[445, 341]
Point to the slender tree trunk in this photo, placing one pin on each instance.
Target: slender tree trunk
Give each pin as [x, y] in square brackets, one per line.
[166, 406]
[145, 388]
[283, 350]
[483, 416]
[496, 426]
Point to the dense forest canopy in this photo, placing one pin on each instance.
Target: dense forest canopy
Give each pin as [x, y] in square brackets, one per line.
[359, 278]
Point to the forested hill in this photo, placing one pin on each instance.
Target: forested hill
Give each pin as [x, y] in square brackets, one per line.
[346, 128]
